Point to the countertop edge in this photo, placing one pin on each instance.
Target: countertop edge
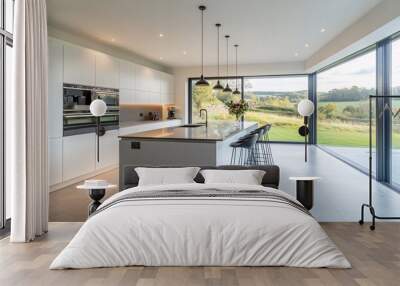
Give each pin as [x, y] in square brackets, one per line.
[133, 137]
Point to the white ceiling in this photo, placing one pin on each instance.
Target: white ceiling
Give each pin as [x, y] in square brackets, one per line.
[268, 31]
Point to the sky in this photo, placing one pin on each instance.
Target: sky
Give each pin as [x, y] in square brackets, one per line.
[396, 63]
[359, 71]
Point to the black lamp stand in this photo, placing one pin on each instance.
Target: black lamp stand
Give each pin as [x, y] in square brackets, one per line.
[100, 131]
[304, 131]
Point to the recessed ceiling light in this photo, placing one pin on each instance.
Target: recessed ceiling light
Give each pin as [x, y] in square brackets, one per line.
[161, 35]
[112, 40]
[306, 45]
[161, 58]
[323, 30]
[296, 54]
[184, 53]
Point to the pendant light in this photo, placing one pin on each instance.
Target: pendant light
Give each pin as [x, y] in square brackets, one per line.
[227, 89]
[236, 92]
[218, 86]
[202, 81]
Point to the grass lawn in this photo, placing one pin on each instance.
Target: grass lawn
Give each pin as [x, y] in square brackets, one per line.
[330, 132]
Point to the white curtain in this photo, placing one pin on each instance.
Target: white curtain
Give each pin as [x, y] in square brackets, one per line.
[28, 123]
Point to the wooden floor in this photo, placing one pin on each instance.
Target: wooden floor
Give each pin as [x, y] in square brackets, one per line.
[71, 204]
[375, 257]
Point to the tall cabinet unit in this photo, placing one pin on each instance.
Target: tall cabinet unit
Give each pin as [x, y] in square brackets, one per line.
[79, 65]
[126, 82]
[72, 158]
[107, 71]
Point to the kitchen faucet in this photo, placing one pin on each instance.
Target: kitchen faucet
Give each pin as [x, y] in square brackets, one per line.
[201, 110]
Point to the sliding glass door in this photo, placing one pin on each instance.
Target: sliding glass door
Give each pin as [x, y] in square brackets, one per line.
[273, 100]
[213, 101]
[395, 160]
[342, 114]
[6, 61]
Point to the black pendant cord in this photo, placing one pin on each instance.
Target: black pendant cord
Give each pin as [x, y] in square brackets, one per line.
[202, 81]
[236, 51]
[370, 202]
[98, 139]
[227, 57]
[218, 27]
[202, 42]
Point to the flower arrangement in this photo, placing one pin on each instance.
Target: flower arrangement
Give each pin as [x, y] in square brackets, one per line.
[237, 108]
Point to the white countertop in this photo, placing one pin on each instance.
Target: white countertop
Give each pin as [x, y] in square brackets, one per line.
[143, 122]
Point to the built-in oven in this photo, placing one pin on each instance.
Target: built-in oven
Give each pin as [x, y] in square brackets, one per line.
[109, 95]
[77, 118]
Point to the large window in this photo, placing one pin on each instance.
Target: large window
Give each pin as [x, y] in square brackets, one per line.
[214, 102]
[396, 119]
[343, 107]
[274, 100]
[6, 62]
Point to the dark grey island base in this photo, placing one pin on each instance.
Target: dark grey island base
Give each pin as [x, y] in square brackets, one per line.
[182, 146]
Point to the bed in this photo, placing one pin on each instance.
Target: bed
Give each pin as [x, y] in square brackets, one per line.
[199, 224]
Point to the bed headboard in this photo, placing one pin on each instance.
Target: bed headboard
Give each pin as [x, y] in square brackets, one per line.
[128, 177]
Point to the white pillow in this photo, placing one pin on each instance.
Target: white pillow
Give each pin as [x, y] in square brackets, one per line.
[166, 176]
[248, 177]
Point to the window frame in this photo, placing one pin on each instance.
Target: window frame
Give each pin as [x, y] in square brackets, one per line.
[315, 101]
[6, 39]
[190, 83]
[242, 79]
[383, 86]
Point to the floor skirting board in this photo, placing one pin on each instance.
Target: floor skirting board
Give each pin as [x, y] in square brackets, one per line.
[73, 181]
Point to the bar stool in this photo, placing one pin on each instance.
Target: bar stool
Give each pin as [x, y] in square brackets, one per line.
[264, 141]
[246, 145]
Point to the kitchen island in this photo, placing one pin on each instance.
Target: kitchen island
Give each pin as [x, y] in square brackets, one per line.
[186, 145]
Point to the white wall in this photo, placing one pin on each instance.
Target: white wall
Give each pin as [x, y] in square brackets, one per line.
[379, 23]
[182, 74]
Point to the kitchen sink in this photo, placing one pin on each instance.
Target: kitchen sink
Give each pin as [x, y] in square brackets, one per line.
[191, 125]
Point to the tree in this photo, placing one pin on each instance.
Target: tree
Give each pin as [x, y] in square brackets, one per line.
[328, 110]
[203, 97]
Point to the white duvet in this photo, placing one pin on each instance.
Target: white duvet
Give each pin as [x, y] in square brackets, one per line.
[212, 231]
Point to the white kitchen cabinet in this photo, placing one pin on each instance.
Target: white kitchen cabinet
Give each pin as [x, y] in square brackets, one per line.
[79, 65]
[78, 155]
[141, 97]
[107, 71]
[171, 84]
[127, 96]
[55, 161]
[126, 75]
[167, 83]
[147, 97]
[108, 150]
[55, 88]
[147, 79]
[153, 97]
[167, 98]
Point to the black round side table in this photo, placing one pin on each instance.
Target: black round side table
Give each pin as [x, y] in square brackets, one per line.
[305, 190]
[96, 193]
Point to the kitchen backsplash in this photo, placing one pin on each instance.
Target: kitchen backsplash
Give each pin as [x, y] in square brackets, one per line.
[138, 112]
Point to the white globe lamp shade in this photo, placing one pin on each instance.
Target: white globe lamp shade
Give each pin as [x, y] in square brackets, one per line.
[305, 107]
[98, 107]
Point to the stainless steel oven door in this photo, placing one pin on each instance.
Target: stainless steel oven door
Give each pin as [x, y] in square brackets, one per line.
[108, 95]
[78, 120]
[77, 97]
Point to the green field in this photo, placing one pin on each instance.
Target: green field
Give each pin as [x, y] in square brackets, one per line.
[330, 133]
[339, 123]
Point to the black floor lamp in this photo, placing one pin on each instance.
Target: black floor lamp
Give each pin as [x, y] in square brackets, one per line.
[98, 108]
[305, 109]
